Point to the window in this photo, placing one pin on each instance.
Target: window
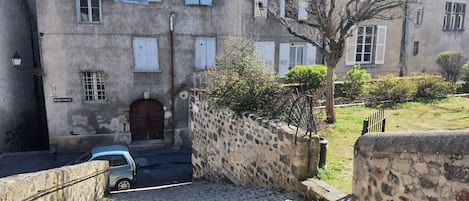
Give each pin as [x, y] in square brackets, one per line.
[260, 8]
[292, 54]
[365, 41]
[88, 11]
[266, 53]
[419, 17]
[416, 48]
[296, 55]
[199, 2]
[117, 160]
[205, 51]
[367, 46]
[93, 86]
[302, 10]
[454, 16]
[146, 54]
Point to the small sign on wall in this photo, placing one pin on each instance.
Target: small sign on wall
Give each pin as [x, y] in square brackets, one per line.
[63, 99]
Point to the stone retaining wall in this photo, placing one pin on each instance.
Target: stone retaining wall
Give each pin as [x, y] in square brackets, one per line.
[249, 150]
[430, 166]
[81, 182]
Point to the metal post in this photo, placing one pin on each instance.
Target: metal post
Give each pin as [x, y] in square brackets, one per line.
[383, 125]
[365, 127]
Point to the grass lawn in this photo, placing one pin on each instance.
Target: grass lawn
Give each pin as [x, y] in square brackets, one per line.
[446, 114]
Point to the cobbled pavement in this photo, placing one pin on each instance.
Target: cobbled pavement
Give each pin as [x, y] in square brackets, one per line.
[206, 191]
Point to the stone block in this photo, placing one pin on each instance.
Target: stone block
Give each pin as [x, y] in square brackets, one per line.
[401, 165]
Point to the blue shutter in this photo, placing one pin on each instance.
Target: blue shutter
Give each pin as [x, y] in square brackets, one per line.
[284, 59]
[206, 2]
[151, 45]
[139, 54]
[192, 2]
[200, 53]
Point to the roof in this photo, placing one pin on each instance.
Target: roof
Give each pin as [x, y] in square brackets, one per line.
[111, 148]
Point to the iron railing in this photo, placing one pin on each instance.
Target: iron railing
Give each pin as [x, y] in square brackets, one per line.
[376, 122]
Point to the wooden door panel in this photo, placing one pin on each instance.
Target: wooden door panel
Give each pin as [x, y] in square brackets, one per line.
[147, 120]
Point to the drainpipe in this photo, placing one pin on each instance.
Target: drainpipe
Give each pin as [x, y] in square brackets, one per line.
[171, 41]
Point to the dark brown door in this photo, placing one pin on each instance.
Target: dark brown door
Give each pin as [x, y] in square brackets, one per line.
[146, 120]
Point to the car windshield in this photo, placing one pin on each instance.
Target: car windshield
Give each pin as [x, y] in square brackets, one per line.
[83, 158]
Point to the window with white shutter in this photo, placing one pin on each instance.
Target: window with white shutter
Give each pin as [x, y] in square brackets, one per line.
[146, 54]
[266, 53]
[205, 52]
[88, 11]
[366, 46]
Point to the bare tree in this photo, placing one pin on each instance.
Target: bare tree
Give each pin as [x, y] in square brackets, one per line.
[327, 24]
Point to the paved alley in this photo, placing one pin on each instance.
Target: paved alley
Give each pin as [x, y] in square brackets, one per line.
[204, 191]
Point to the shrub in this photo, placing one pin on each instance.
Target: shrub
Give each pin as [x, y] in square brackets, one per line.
[451, 64]
[464, 87]
[356, 83]
[239, 82]
[312, 77]
[430, 87]
[392, 89]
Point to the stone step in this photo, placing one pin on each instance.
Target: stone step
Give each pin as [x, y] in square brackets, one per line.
[146, 146]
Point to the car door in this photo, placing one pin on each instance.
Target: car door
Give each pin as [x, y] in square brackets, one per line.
[120, 168]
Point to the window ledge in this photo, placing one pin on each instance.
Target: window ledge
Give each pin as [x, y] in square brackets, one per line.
[95, 102]
[90, 23]
[453, 30]
[157, 71]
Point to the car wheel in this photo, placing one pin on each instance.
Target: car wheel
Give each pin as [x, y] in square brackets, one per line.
[123, 184]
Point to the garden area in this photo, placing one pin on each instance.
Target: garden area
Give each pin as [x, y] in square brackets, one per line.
[416, 103]
[443, 114]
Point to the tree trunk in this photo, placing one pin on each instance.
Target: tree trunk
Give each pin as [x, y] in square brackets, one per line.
[330, 105]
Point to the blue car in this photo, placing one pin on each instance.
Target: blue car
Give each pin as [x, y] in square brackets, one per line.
[122, 167]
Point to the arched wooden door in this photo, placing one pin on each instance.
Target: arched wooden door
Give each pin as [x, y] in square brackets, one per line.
[146, 120]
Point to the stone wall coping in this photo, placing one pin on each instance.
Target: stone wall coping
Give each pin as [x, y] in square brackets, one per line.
[453, 142]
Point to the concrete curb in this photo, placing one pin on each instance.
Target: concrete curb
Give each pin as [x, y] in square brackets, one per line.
[26, 153]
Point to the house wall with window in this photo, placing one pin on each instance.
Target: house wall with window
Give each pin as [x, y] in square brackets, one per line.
[104, 55]
[375, 45]
[19, 122]
[434, 27]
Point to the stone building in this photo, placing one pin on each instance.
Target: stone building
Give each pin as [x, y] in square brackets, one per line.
[20, 120]
[431, 28]
[108, 71]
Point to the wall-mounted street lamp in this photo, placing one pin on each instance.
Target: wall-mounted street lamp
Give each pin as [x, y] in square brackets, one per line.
[16, 61]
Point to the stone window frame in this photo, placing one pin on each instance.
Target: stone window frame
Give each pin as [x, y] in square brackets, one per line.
[91, 9]
[93, 86]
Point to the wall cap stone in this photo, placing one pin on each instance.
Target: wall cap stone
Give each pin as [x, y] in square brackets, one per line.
[437, 142]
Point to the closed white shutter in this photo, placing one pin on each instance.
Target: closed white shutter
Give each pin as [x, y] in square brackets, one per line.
[380, 45]
[146, 54]
[77, 3]
[260, 8]
[284, 58]
[200, 53]
[266, 53]
[302, 10]
[350, 50]
[152, 55]
[211, 51]
[310, 54]
[282, 8]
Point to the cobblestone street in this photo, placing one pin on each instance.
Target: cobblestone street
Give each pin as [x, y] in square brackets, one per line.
[205, 191]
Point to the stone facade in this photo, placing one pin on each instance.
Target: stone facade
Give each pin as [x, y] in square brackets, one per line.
[82, 182]
[412, 166]
[249, 150]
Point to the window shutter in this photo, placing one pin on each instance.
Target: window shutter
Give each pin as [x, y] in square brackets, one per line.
[351, 48]
[266, 53]
[151, 55]
[192, 2]
[282, 8]
[302, 10]
[258, 12]
[139, 53]
[206, 2]
[310, 54]
[200, 53]
[380, 45]
[78, 11]
[284, 58]
[211, 51]
[143, 2]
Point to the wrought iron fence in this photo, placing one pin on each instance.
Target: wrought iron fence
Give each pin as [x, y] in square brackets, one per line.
[376, 122]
